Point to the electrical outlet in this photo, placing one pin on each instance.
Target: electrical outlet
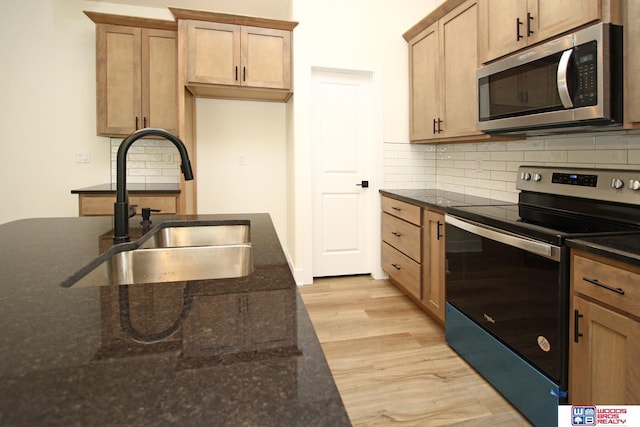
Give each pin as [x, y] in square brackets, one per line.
[83, 157]
[242, 161]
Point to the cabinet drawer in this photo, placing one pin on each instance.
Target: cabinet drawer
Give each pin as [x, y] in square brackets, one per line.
[401, 269]
[404, 210]
[612, 285]
[103, 205]
[402, 235]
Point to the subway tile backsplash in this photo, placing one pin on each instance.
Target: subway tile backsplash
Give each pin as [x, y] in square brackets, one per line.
[149, 161]
[489, 169]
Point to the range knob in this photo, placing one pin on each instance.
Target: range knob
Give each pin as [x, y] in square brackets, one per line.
[525, 176]
[617, 183]
[537, 177]
[634, 184]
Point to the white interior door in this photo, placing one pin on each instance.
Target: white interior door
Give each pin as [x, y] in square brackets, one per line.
[341, 124]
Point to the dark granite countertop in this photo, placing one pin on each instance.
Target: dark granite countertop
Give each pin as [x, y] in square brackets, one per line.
[621, 247]
[225, 352]
[439, 199]
[167, 188]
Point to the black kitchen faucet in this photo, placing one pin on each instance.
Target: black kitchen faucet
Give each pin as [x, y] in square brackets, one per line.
[121, 206]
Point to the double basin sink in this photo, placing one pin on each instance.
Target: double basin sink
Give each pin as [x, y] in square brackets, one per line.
[175, 252]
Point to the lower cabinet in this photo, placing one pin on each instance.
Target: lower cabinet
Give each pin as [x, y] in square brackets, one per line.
[605, 331]
[433, 269]
[102, 204]
[413, 253]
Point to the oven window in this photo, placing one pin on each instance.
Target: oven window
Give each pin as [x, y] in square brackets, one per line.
[513, 294]
[527, 89]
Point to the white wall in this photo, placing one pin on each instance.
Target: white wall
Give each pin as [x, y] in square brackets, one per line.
[47, 96]
[47, 91]
[241, 160]
[364, 35]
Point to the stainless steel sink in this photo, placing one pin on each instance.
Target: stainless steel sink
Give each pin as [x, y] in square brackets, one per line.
[177, 253]
[199, 235]
[161, 265]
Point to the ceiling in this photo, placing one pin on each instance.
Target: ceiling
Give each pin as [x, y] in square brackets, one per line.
[266, 8]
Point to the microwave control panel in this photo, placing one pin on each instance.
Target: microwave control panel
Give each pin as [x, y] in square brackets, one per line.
[586, 91]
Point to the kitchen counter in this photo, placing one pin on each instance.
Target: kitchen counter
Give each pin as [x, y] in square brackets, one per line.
[621, 247]
[439, 199]
[102, 355]
[161, 188]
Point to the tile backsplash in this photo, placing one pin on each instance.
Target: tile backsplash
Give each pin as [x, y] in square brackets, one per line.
[489, 169]
[149, 161]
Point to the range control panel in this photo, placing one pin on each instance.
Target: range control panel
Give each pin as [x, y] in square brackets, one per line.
[614, 185]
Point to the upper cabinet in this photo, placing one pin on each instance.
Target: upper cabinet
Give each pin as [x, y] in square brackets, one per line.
[631, 64]
[136, 74]
[442, 75]
[505, 26]
[232, 56]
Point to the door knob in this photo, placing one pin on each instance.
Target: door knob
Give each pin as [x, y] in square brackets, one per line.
[363, 184]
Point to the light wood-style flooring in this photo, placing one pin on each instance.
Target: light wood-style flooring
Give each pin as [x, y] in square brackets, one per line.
[391, 363]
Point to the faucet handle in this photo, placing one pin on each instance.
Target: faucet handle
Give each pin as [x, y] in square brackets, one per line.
[132, 210]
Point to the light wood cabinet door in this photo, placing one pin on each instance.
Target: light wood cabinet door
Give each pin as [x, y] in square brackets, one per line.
[498, 27]
[160, 79]
[604, 366]
[459, 60]
[553, 17]
[213, 53]
[265, 58]
[631, 62]
[229, 54]
[424, 66]
[506, 26]
[119, 79]
[136, 79]
[443, 60]
[433, 271]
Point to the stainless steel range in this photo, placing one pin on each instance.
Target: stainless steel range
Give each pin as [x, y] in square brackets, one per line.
[507, 278]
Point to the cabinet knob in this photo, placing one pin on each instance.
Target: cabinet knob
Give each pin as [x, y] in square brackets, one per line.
[634, 184]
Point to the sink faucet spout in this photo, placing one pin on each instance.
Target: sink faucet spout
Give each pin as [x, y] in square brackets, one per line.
[121, 207]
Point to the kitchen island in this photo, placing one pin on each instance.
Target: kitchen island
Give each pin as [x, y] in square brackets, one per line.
[152, 355]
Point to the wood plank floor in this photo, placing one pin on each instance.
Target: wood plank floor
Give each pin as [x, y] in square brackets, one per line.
[391, 363]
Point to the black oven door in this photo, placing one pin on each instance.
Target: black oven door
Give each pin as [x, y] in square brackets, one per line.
[511, 286]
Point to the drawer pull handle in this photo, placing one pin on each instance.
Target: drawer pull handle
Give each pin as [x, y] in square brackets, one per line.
[395, 208]
[602, 285]
[395, 233]
[576, 327]
[396, 266]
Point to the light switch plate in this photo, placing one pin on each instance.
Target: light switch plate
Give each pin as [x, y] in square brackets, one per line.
[83, 157]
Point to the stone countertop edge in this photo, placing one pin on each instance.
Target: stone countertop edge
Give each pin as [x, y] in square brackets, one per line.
[621, 247]
[61, 364]
[161, 188]
[439, 200]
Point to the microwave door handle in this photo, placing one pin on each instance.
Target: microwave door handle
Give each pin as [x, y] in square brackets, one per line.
[562, 79]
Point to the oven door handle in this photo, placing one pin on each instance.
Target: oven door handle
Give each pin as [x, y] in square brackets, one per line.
[543, 249]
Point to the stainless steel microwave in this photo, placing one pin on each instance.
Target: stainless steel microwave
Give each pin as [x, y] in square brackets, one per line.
[573, 83]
